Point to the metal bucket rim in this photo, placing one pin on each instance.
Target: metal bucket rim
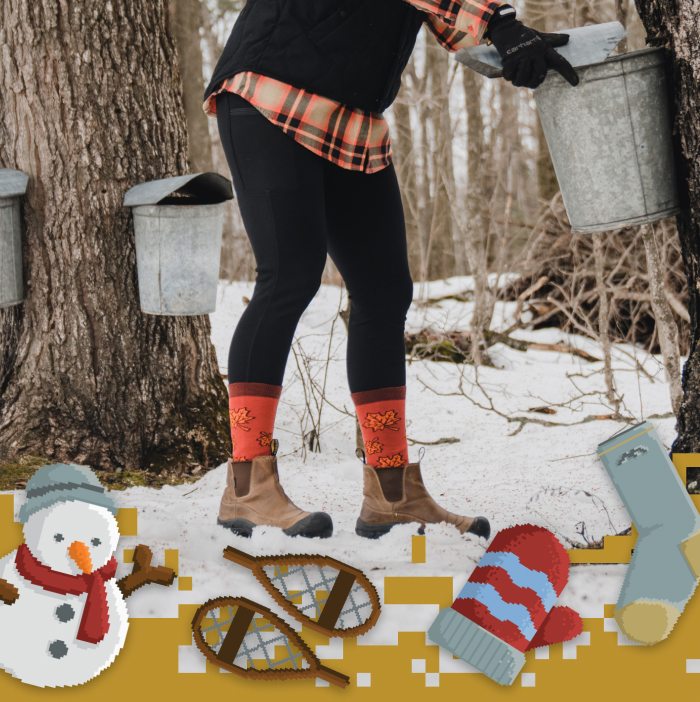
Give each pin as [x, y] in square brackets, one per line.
[12, 303]
[626, 56]
[556, 81]
[174, 210]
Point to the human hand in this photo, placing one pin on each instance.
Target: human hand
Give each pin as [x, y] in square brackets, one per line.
[527, 54]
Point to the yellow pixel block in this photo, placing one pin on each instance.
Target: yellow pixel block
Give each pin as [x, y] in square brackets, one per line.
[402, 590]
[128, 521]
[10, 531]
[683, 461]
[184, 583]
[616, 549]
[418, 548]
[171, 559]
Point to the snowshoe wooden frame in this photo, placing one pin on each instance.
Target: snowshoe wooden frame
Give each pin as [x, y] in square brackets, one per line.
[347, 577]
[236, 633]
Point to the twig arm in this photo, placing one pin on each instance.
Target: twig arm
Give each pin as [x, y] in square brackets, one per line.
[144, 573]
[8, 592]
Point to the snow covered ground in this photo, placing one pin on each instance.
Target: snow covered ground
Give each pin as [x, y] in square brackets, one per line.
[541, 474]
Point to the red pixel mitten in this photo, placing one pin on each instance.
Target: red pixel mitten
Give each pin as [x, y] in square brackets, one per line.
[507, 606]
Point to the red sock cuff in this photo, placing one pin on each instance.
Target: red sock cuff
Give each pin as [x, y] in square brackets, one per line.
[363, 397]
[257, 389]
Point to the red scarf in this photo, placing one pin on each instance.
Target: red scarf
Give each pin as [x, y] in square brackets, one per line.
[94, 623]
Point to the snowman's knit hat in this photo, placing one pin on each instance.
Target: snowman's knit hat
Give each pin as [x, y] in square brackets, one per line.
[62, 482]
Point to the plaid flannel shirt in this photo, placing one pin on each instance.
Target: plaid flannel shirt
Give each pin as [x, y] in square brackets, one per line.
[350, 137]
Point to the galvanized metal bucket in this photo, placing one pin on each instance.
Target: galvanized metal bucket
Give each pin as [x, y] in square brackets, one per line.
[178, 226]
[13, 185]
[610, 141]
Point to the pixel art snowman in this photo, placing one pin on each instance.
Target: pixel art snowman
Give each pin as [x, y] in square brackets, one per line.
[63, 616]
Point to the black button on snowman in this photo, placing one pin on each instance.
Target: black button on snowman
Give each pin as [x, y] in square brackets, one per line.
[65, 613]
[58, 649]
[63, 575]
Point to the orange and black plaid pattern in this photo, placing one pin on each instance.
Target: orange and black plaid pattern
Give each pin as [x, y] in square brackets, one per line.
[350, 137]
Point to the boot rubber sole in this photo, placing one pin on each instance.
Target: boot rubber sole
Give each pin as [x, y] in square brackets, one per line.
[316, 525]
[480, 527]
[374, 531]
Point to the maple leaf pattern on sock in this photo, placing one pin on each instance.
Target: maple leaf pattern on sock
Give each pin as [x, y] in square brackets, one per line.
[378, 421]
[373, 446]
[264, 438]
[240, 417]
[240, 459]
[395, 461]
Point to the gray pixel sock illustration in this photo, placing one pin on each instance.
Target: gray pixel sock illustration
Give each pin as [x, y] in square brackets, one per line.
[665, 566]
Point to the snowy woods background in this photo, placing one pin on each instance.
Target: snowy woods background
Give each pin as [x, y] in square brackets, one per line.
[529, 328]
[527, 345]
[481, 199]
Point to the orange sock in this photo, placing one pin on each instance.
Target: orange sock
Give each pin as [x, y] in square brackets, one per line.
[252, 408]
[382, 418]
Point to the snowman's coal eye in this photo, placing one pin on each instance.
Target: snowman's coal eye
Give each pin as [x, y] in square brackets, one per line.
[58, 537]
[95, 542]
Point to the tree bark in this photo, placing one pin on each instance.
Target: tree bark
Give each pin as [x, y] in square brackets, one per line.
[476, 241]
[91, 103]
[547, 185]
[187, 21]
[404, 158]
[675, 24]
[666, 327]
[440, 250]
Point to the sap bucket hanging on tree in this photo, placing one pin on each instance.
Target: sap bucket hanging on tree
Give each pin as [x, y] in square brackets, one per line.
[178, 226]
[609, 136]
[13, 186]
[610, 141]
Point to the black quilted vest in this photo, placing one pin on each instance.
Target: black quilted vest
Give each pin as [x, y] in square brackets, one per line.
[353, 51]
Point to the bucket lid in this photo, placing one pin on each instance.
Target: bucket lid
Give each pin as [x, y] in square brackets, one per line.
[191, 189]
[12, 183]
[586, 45]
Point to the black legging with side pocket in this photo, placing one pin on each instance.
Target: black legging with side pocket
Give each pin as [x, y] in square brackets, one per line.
[297, 207]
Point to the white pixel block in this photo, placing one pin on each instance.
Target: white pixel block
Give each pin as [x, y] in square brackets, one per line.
[364, 680]
[418, 665]
[527, 680]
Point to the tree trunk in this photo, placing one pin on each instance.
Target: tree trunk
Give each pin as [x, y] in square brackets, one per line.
[666, 327]
[405, 161]
[675, 24]
[547, 185]
[91, 104]
[476, 240]
[440, 252]
[187, 21]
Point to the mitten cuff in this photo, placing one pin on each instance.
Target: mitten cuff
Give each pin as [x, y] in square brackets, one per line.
[480, 648]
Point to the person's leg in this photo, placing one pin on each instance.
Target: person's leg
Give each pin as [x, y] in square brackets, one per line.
[367, 241]
[279, 189]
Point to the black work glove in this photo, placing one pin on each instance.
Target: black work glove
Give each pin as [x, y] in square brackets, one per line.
[526, 53]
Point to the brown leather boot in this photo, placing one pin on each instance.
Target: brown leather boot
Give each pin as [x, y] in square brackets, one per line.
[254, 497]
[397, 496]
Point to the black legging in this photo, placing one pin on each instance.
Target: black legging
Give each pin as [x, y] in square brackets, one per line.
[296, 207]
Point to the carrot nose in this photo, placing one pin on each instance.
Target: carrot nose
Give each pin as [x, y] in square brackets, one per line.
[80, 553]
